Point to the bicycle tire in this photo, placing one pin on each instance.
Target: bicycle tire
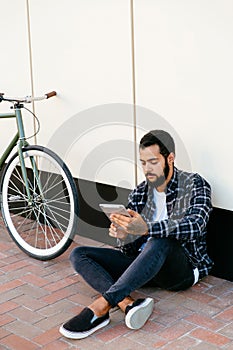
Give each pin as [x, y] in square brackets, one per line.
[45, 226]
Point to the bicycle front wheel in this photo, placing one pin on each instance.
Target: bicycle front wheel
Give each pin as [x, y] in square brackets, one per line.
[42, 219]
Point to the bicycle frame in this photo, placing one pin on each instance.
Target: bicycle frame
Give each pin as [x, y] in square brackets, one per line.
[13, 142]
[19, 141]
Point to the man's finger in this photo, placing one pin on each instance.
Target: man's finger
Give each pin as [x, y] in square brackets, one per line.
[120, 218]
[132, 212]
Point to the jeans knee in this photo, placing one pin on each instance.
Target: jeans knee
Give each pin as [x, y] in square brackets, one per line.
[76, 255]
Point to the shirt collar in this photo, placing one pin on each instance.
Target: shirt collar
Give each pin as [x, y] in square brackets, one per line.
[173, 183]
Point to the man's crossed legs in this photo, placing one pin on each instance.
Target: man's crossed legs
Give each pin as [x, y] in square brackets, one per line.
[162, 263]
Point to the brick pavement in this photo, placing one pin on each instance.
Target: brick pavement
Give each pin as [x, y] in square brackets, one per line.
[36, 297]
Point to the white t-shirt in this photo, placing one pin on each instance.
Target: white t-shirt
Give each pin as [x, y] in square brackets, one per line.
[161, 209]
[161, 206]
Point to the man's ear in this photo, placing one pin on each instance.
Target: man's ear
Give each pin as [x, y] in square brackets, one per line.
[171, 158]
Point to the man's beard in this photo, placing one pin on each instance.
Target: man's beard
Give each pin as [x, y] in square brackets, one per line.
[161, 179]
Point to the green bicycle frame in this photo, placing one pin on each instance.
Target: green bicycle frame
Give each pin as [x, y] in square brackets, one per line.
[20, 141]
[13, 142]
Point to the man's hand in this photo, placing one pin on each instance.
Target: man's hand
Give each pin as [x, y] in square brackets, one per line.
[134, 225]
[117, 232]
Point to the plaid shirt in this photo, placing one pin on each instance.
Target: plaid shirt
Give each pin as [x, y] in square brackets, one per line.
[188, 198]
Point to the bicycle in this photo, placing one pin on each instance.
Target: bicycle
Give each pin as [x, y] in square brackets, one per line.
[39, 201]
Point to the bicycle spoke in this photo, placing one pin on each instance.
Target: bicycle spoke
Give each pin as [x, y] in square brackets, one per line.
[58, 214]
[24, 219]
[52, 231]
[50, 188]
[49, 184]
[42, 229]
[62, 210]
[20, 213]
[59, 225]
[59, 200]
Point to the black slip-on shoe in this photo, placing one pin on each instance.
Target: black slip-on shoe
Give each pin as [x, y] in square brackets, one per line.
[138, 313]
[84, 324]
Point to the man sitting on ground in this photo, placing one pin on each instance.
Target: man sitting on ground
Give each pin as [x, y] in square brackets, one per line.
[169, 213]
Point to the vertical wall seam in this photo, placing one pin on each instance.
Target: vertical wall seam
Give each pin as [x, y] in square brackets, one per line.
[134, 91]
[31, 64]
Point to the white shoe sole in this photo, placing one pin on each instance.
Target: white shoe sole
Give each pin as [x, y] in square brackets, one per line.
[138, 315]
[81, 335]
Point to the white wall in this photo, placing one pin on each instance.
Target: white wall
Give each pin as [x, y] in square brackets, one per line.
[83, 50]
[14, 61]
[184, 72]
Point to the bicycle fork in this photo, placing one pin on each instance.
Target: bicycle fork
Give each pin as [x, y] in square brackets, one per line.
[21, 144]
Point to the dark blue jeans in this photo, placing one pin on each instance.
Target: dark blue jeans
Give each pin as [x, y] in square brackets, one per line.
[162, 263]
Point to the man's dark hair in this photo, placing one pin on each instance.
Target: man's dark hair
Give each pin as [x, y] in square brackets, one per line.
[161, 138]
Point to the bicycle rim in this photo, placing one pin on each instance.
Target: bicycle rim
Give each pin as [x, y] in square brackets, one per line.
[43, 225]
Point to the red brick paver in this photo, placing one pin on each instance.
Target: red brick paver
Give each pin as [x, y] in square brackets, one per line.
[36, 297]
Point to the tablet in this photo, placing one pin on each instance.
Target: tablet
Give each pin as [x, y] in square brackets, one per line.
[109, 209]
